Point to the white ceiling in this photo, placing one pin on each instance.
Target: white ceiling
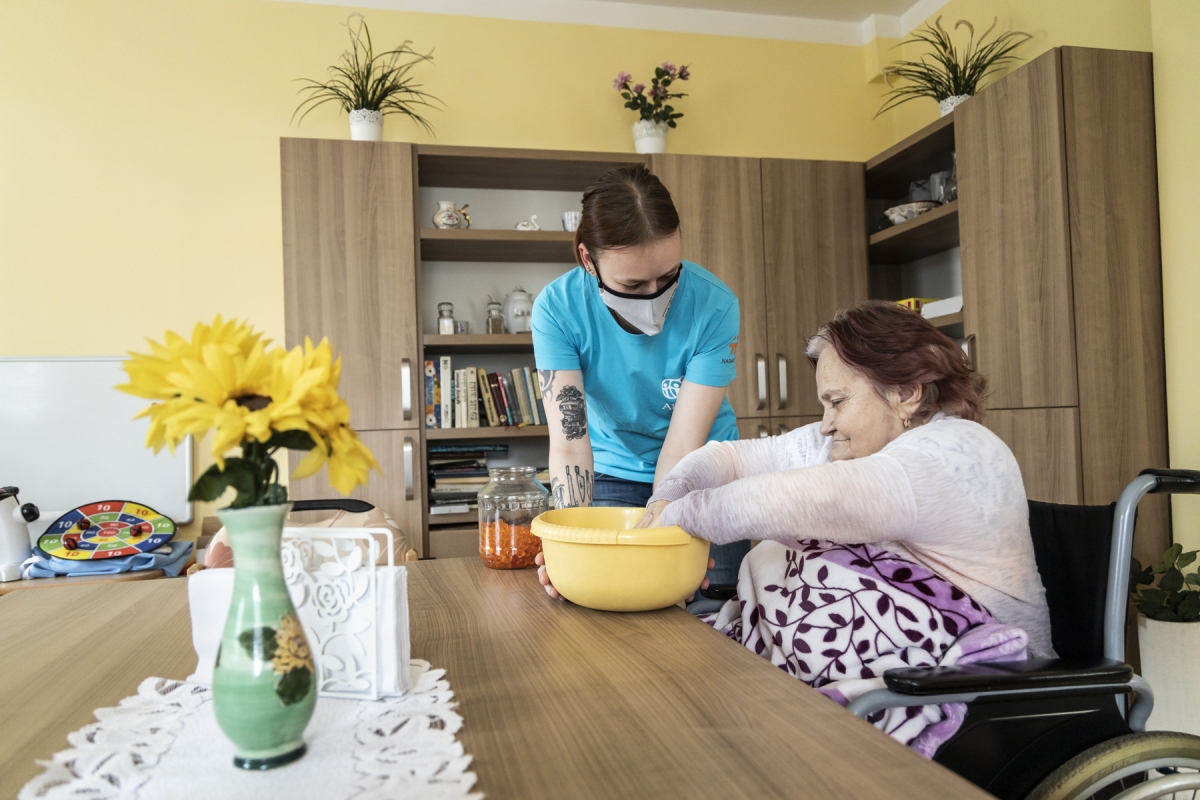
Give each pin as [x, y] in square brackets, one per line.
[849, 22]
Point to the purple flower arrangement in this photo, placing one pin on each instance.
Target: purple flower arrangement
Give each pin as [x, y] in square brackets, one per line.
[653, 104]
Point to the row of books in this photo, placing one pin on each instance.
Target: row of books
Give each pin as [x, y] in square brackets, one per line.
[473, 398]
[457, 476]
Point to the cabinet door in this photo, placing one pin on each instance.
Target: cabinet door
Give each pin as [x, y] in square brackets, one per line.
[1016, 258]
[349, 257]
[782, 425]
[754, 428]
[399, 491]
[720, 212]
[816, 263]
[1045, 442]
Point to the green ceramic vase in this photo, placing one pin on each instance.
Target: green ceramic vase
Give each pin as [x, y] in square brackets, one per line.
[264, 686]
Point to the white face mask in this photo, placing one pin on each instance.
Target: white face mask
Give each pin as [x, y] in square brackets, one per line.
[646, 312]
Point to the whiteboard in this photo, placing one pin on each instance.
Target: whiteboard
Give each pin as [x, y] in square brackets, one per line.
[68, 438]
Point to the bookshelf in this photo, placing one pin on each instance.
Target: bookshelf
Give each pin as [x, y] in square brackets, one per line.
[496, 246]
[472, 343]
[464, 434]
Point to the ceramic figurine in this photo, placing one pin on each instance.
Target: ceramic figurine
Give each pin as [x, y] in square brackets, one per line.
[446, 216]
[530, 225]
[518, 310]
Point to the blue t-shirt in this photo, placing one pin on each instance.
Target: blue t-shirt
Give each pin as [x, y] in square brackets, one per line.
[631, 380]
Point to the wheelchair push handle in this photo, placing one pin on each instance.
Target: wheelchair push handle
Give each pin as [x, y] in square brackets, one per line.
[1173, 481]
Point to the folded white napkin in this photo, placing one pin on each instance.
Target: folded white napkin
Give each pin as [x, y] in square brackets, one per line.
[210, 593]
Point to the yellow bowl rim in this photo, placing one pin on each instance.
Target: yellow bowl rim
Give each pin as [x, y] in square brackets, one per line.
[669, 536]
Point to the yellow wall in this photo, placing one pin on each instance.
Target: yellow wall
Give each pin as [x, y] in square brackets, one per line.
[139, 177]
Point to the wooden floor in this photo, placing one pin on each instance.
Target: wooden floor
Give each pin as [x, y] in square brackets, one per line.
[558, 701]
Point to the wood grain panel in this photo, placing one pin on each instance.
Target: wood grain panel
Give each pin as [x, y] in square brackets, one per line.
[753, 427]
[146, 633]
[349, 256]
[1116, 262]
[505, 168]
[782, 425]
[1016, 261]
[386, 491]
[1045, 442]
[458, 542]
[563, 702]
[816, 263]
[720, 211]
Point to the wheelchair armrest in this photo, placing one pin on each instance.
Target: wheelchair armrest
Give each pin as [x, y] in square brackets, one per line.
[346, 504]
[1003, 676]
[1174, 481]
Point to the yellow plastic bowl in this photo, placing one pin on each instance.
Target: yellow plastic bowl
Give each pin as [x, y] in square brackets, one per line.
[595, 558]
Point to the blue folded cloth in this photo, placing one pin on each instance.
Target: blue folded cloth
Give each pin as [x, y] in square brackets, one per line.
[172, 563]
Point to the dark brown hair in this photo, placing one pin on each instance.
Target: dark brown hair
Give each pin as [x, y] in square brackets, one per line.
[625, 207]
[898, 349]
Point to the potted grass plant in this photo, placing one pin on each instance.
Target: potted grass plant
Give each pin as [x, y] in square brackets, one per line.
[1167, 598]
[258, 400]
[655, 113]
[369, 86]
[947, 74]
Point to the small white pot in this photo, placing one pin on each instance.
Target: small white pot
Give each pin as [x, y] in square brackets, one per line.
[649, 136]
[1170, 652]
[950, 103]
[366, 126]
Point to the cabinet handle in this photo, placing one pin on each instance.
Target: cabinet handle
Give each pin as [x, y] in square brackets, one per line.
[762, 380]
[406, 389]
[783, 429]
[968, 346]
[763, 433]
[783, 383]
[408, 468]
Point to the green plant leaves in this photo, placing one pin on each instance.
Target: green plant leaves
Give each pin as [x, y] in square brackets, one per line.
[241, 474]
[1168, 559]
[1171, 581]
[1173, 599]
[292, 440]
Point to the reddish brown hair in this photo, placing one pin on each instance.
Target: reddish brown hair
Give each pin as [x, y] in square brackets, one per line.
[898, 349]
[625, 207]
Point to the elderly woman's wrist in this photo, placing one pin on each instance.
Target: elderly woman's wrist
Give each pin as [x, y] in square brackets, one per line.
[668, 491]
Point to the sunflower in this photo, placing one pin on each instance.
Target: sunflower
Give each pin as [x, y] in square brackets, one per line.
[291, 646]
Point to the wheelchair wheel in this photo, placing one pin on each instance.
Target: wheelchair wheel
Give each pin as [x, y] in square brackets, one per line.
[1111, 767]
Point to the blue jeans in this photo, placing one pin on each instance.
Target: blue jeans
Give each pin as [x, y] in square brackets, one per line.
[611, 491]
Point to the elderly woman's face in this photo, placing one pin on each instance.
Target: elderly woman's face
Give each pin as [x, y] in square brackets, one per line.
[859, 420]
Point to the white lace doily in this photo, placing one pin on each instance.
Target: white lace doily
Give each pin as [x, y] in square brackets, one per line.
[164, 743]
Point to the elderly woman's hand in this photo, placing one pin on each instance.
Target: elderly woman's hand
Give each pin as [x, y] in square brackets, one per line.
[704, 583]
[654, 512]
[543, 578]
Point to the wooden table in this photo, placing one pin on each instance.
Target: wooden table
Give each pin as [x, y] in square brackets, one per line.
[78, 580]
[559, 701]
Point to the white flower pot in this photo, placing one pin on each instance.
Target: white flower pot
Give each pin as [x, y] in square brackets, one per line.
[649, 136]
[366, 126]
[950, 103]
[1170, 652]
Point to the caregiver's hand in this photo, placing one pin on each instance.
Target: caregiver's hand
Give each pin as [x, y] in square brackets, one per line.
[704, 583]
[543, 578]
[653, 512]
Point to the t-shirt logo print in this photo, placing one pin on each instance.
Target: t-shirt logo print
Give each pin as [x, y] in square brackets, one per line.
[670, 388]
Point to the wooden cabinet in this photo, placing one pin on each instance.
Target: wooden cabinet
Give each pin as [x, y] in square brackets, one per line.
[721, 223]
[782, 425]
[1045, 442]
[349, 255]
[1016, 256]
[816, 264]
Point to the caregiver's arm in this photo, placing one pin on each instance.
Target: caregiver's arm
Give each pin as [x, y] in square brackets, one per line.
[571, 467]
[864, 500]
[696, 408]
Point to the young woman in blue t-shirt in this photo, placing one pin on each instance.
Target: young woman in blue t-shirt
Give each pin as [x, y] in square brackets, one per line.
[634, 352]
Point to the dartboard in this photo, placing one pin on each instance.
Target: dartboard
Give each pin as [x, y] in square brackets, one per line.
[106, 529]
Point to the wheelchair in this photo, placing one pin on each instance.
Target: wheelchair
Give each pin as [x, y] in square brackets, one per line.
[1071, 728]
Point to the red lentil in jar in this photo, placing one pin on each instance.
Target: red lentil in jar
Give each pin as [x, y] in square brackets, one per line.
[507, 506]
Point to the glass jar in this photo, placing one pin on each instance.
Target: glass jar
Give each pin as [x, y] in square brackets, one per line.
[445, 318]
[495, 316]
[507, 506]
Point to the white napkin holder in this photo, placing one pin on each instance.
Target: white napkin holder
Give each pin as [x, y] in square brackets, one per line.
[354, 613]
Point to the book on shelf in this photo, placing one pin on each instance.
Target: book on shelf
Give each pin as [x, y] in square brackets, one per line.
[518, 377]
[471, 396]
[485, 396]
[537, 396]
[459, 472]
[498, 398]
[461, 480]
[530, 384]
[460, 399]
[455, 508]
[458, 450]
[447, 392]
[507, 399]
[433, 396]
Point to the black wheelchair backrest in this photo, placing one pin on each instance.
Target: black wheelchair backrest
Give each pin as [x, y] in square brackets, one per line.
[1072, 547]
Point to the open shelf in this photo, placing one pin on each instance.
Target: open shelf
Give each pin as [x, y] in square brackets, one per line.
[556, 247]
[916, 158]
[465, 518]
[479, 343]
[444, 434]
[932, 232]
[946, 320]
[495, 168]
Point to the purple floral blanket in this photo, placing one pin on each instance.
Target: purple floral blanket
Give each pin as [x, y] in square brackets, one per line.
[838, 616]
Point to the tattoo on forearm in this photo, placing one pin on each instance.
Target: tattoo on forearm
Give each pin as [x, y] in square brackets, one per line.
[546, 382]
[575, 491]
[574, 412]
